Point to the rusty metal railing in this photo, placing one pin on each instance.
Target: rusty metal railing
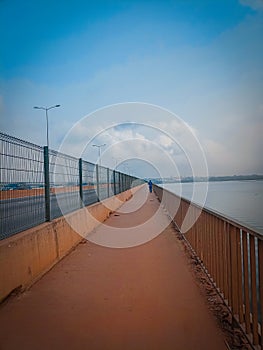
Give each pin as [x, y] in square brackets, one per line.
[231, 254]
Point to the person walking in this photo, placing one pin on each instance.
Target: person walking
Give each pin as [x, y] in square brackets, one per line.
[150, 184]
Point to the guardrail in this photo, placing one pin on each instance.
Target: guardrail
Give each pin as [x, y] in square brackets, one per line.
[232, 256]
[38, 184]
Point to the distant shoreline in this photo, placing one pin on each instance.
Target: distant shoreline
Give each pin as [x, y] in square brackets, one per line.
[209, 179]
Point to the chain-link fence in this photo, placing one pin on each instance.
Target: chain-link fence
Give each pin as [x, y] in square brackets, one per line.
[38, 185]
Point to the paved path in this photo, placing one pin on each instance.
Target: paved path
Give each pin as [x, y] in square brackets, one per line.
[142, 298]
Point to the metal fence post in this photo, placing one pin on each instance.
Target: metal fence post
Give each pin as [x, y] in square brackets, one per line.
[80, 183]
[47, 184]
[118, 183]
[114, 183]
[108, 182]
[98, 181]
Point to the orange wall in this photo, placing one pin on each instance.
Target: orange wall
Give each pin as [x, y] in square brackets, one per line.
[26, 256]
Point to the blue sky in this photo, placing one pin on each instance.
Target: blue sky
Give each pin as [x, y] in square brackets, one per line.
[202, 60]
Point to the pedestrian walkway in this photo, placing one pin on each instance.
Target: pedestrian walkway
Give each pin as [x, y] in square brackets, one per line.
[142, 297]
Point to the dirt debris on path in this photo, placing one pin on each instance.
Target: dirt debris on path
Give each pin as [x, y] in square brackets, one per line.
[235, 338]
[143, 297]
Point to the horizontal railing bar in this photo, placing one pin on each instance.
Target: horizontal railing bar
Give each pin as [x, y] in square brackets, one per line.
[221, 216]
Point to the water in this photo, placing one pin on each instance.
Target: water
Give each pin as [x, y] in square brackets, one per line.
[240, 200]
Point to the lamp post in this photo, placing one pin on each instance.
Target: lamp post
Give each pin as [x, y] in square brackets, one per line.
[98, 170]
[47, 109]
[99, 147]
[46, 167]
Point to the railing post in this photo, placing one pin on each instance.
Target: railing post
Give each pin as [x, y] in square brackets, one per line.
[260, 273]
[98, 181]
[80, 183]
[47, 184]
[253, 283]
[233, 267]
[108, 182]
[246, 281]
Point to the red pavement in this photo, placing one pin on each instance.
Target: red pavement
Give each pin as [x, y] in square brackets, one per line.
[142, 297]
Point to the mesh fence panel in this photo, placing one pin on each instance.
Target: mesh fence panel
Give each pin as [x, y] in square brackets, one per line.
[89, 183]
[111, 183]
[103, 183]
[64, 184]
[117, 182]
[22, 201]
[25, 174]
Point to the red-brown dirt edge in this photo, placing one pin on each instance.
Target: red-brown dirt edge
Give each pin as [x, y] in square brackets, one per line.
[235, 339]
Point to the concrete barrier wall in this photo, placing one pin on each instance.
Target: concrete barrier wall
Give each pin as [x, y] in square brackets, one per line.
[26, 256]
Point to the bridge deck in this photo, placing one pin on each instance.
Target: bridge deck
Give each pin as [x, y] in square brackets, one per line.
[142, 297]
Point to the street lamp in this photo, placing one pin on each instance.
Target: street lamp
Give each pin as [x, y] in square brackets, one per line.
[99, 147]
[47, 109]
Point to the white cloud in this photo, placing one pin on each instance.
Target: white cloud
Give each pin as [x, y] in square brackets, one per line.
[219, 157]
[254, 4]
[239, 153]
[165, 141]
[217, 89]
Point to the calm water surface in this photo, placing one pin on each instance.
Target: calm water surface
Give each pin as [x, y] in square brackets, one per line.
[240, 200]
